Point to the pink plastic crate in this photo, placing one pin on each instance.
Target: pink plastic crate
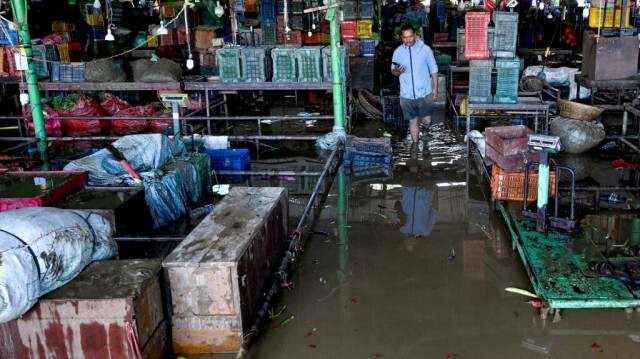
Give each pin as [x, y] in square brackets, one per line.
[476, 35]
[20, 190]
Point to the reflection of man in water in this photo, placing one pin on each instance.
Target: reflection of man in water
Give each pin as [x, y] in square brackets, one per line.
[419, 204]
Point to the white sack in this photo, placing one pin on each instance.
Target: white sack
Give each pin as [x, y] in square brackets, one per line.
[42, 248]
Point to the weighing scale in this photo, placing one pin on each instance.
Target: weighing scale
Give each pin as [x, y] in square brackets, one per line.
[175, 100]
[547, 144]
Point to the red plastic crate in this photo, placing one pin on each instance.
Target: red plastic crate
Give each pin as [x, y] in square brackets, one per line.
[168, 39]
[476, 35]
[181, 37]
[325, 26]
[295, 38]
[353, 47]
[20, 190]
[349, 29]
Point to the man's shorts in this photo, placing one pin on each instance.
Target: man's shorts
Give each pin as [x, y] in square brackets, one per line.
[421, 107]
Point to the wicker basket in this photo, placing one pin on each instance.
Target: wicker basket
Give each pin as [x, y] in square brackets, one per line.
[578, 111]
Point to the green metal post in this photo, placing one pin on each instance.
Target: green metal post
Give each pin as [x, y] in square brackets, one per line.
[336, 69]
[20, 16]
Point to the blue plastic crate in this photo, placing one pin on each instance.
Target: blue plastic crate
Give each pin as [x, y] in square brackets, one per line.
[480, 81]
[280, 7]
[67, 72]
[309, 62]
[297, 22]
[229, 64]
[506, 34]
[365, 9]
[367, 47]
[267, 12]
[284, 64]
[256, 64]
[230, 160]
[12, 38]
[354, 158]
[363, 144]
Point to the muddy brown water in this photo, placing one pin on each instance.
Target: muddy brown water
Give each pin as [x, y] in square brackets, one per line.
[377, 292]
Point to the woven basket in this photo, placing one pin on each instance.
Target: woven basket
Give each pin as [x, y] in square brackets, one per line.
[578, 111]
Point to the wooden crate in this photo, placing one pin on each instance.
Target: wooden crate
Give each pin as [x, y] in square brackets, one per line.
[93, 315]
[218, 272]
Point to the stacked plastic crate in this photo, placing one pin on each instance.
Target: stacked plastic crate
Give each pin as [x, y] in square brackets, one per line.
[256, 64]
[476, 50]
[291, 37]
[284, 64]
[349, 27]
[268, 22]
[365, 28]
[507, 64]
[228, 59]
[309, 62]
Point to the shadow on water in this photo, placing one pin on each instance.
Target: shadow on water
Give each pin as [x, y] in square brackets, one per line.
[413, 263]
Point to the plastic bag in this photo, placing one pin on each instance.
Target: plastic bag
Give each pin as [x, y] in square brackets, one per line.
[577, 136]
[52, 125]
[127, 127]
[112, 104]
[159, 126]
[80, 106]
[42, 248]
[103, 71]
[162, 70]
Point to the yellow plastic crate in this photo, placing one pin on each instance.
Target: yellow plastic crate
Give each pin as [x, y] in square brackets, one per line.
[152, 41]
[364, 29]
[62, 26]
[596, 17]
[326, 38]
[95, 20]
[63, 52]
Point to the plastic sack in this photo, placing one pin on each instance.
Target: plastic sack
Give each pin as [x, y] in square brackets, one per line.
[112, 104]
[127, 127]
[162, 70]
[331, 139]
[577, 136]
[167, 196]
[52, 125]
[103, 71]
[42, 248]
[80, 106]
[160, 126]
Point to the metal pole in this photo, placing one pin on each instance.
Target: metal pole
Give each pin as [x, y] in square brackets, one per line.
[336, 68]
[20, 16]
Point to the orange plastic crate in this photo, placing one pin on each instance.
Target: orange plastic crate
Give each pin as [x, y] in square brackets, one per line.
[314, 39]
[510, 186]
[349, 29]
[476, 35]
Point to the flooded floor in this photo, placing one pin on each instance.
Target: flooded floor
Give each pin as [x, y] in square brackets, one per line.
[371, 289]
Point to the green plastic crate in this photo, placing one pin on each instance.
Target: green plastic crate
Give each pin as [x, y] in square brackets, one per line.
[229, 64]
[443, 61]
[284, 64]
[202, 163]
[309, 61]
[269, 34]
[326, 63]
[480, 81]
[508, 80]
[256, 64]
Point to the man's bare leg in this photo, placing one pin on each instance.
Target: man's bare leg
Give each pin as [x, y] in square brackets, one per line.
[414, 129]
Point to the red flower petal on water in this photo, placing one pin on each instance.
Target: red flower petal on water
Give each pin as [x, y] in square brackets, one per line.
[313, 346]
[352, 300]
[309, 333]
[376, 356]
[451, 355]
[595, 346]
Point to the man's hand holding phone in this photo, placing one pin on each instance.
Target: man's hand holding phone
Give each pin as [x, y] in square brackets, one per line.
[399, 69]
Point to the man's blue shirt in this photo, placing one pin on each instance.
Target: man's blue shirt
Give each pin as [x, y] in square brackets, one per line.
[419, 63]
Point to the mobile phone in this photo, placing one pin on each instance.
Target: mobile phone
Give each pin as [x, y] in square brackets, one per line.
[395, 63]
